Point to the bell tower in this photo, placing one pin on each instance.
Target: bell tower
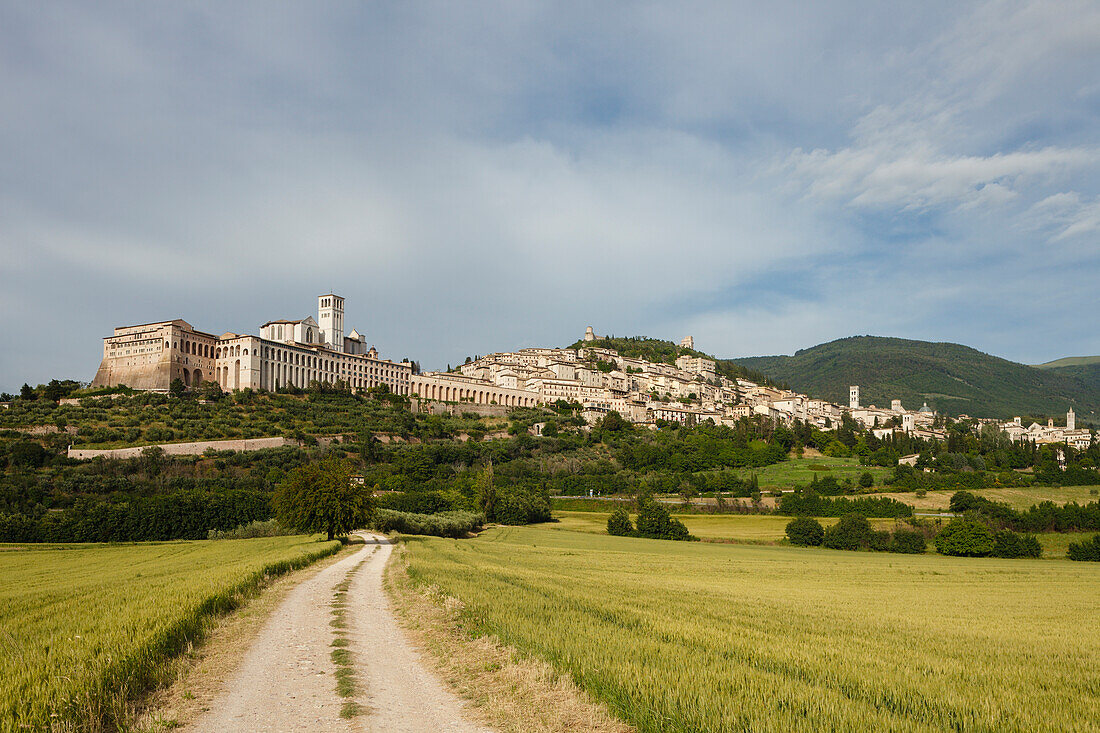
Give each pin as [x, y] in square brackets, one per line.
[330, 317]
[853, 397]
[1071, 420]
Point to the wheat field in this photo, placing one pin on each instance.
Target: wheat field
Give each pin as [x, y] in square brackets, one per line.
[85, 628]
[702, 637]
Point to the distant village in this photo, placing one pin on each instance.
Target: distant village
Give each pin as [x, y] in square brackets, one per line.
[300, 352]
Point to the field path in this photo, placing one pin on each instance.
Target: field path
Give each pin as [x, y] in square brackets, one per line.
[286, 681]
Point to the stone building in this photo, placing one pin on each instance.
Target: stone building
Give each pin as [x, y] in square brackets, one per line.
[287, 352]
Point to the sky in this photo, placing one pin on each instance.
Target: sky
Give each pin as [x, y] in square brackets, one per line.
[477, 177]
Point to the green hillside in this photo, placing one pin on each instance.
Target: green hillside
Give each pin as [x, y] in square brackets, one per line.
[1071, 361]
[951, 378]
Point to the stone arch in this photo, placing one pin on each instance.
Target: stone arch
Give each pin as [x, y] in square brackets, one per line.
[197, 377]
[237, 375]
[186, 377]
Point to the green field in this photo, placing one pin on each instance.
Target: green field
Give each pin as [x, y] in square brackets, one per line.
[699, 636]
[83, 628]
[802, 470]
[750, 528]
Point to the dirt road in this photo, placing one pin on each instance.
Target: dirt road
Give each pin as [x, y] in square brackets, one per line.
[286, 681]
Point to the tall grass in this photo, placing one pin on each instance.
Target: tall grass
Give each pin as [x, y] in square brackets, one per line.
[84, 629]
[691, 637]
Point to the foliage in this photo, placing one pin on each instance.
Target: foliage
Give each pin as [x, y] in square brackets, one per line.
[445, 524]
[619, 523]
[87, 629]
[805, 531]
[965, 537]
[809, 503]
[257, 528]
[321, 497]
[1007, 543]
[1045, 516]
[908, 541]
[952, 378]
[1085, 550]
[852, 532]
[655, 522]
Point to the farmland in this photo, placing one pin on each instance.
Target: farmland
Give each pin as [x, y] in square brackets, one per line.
[83, 628]
[802, 470]
[699, 636]
[1019, 498]
[750, 528]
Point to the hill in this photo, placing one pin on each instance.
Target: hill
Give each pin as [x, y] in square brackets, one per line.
[1070, 361]
[951, 378]
[659, 351]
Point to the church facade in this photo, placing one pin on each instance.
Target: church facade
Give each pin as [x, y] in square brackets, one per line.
[150, 356]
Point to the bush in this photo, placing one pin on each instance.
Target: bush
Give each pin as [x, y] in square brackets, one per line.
[866, 480]
[909, 542]
[965, 538]
[655, 522]
[447, 524]
[1088, 550]
[270, 528]
[852, 532]
[805, 532]
[1007, 543]
[619, 523]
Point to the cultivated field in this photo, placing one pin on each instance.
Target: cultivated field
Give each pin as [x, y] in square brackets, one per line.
[85, 627]
[938, 501]
[750, 528]
[698, 636]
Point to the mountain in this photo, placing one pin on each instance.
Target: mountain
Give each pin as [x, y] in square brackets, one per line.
[951, 378]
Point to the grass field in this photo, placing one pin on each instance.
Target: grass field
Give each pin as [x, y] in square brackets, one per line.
[698, 636]
[84, 628]
[749, 528]
[935, 501]
[802, 470]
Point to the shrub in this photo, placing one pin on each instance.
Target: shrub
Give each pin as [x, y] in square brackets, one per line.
[805, 532]
[966, 538]
[655, 522]
[879, 541]
[1007, 543]
[270, 528]
[1088, 550]
[619, 523]
[852, 532]
[447, 524]
[909, 542]
[866, 480]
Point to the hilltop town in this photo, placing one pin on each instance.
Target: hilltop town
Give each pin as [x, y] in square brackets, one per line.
[686, 389]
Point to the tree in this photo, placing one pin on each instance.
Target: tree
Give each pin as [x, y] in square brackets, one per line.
[805, 532]
[175, 389]
[487, 493]
[852, 532]
[619, 523]
[866, 480]
[211, 391]
[321, 497]
[965, 538]
[655, 522]
[26, 392]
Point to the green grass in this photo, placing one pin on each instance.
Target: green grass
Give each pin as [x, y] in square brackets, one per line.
[86, 628]
[750, 528]
[802, 470]
[698, 636]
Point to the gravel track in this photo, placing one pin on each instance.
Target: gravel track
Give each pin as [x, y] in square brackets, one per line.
[286, 681]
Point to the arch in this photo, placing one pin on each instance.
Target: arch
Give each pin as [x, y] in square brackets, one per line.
[246, 352]
[186, 377]
[197, 377]
[237, 376]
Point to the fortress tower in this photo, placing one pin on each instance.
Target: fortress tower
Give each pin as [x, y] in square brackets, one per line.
[853, 397]
[589, 334]
[1071, 420]
[330, 317]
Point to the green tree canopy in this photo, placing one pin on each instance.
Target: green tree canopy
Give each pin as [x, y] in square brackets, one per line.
[322, 497]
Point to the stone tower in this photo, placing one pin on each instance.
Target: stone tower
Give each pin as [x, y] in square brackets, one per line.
[688, 342]
[589, 334]
[1071, 420]
[853, 397]
[330, 318]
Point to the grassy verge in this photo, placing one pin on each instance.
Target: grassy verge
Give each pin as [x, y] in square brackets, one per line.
[347, 682]
[87, 630]
[510, 690]
[696, 636]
